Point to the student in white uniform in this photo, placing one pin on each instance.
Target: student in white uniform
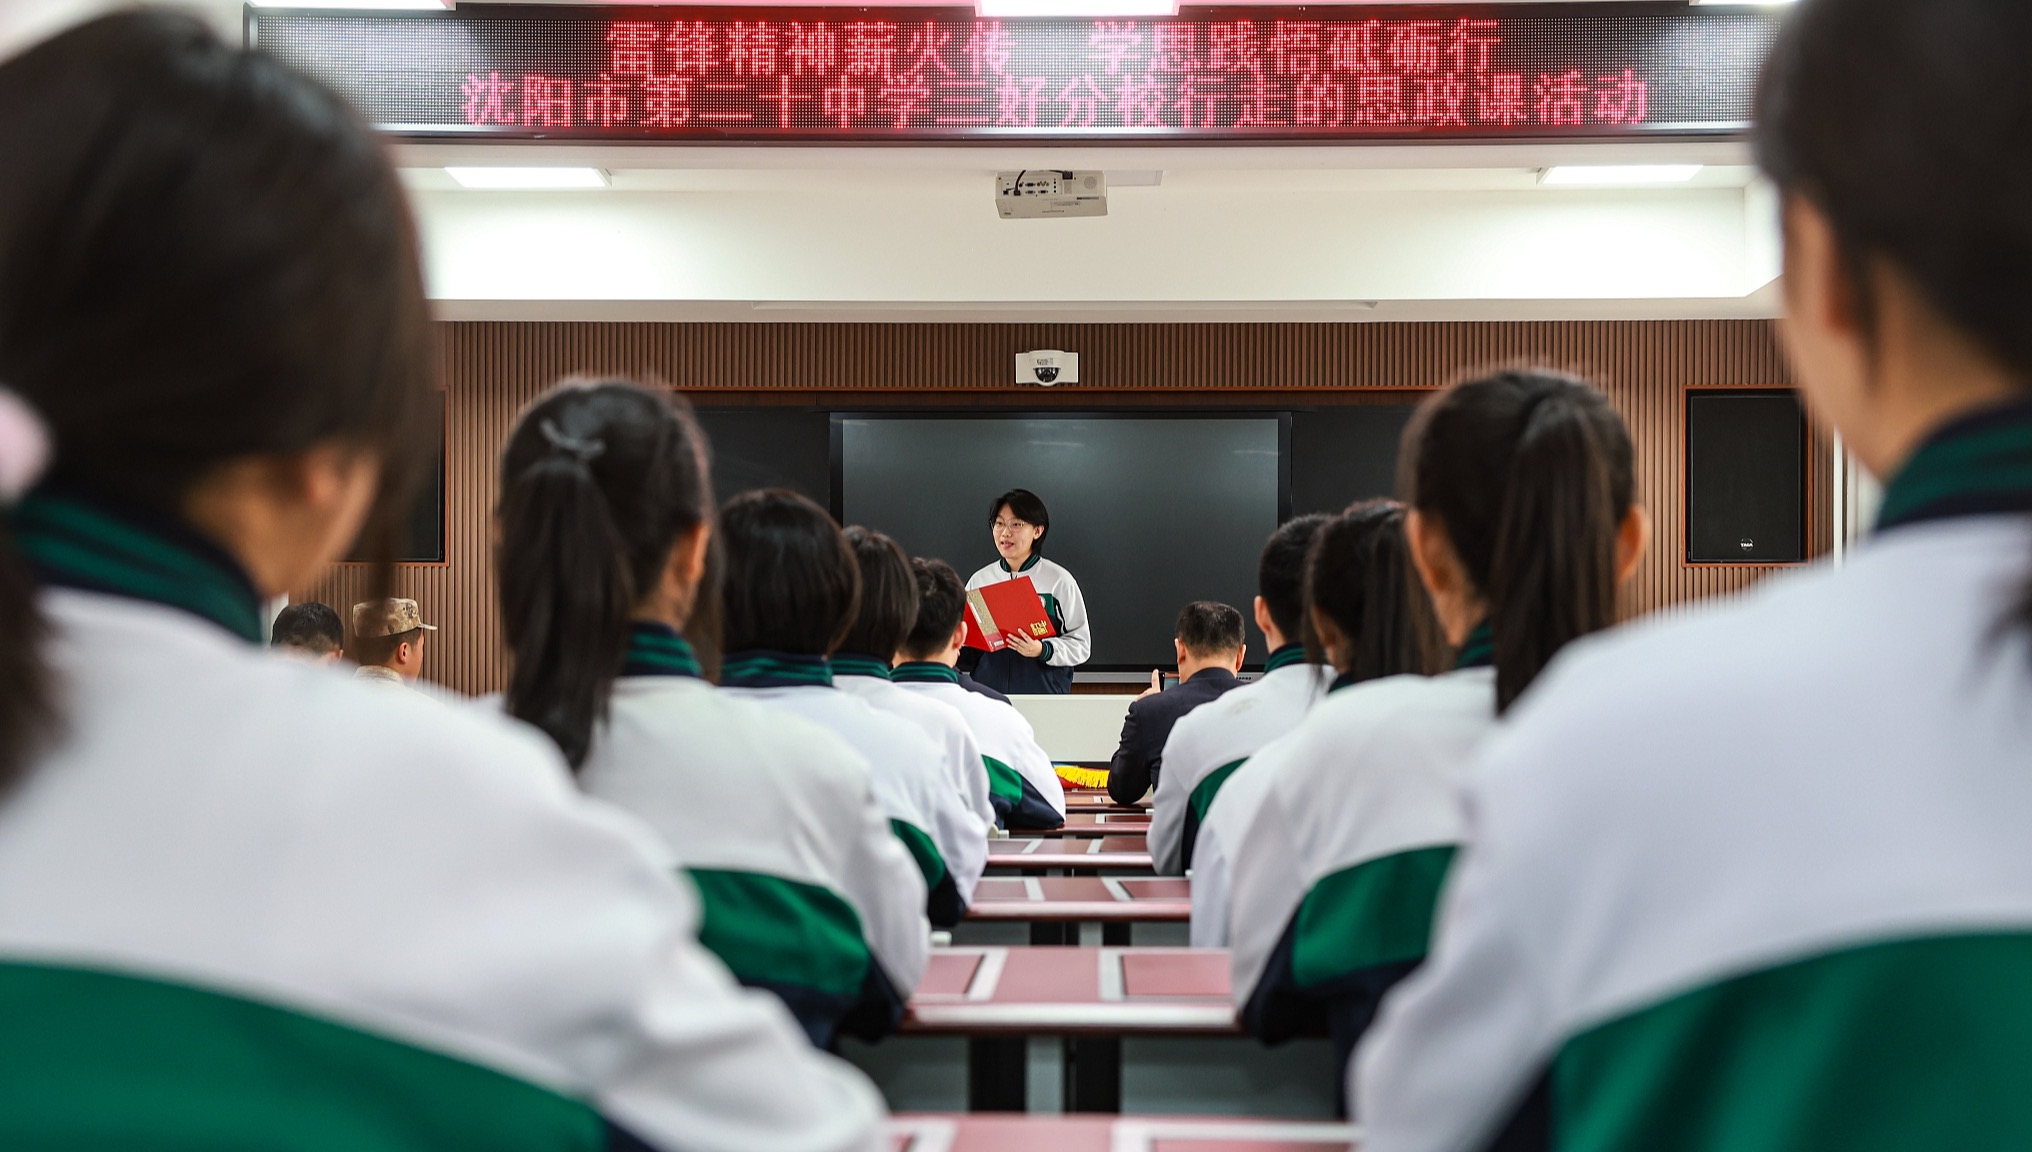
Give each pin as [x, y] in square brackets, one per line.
[605, 521]
[1023, 785]
[246, 902]
[790, 595]
[861, 665]
[1758, 876]
[1364, 614]
[1019, 522]
[1209, 743]
[1522, 522]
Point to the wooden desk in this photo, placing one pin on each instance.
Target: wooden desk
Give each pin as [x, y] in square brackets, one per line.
[1083, 800]
[1089, 997]
[934, 1133]
[1082, 899]
[1121, 821]
[1080, 854]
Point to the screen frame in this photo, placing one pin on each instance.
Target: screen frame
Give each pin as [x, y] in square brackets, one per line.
[836, 504]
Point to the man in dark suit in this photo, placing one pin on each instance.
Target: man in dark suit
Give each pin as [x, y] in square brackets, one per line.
[1210, 647]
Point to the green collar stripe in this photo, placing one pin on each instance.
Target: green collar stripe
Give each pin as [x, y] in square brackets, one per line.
[1285, 657]
[657, 650]
[1003, 781]
[92, 1059]
[779, 932]
[1377, 912]
[1027, 564]
[1912, 1043]
[1203, 793]
[71, 543]
[1479, 650]
[1979, 465]
[854, 664]
[924, 672]
[775, 670]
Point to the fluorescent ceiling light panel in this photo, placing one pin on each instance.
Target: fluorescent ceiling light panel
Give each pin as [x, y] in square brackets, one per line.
[1021, 8]
[359, 5]
[527, 179]
[1619, 175]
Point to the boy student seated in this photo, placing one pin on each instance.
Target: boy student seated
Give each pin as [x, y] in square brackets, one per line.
[861, 664]
[1757, 876]
[1365, 616]
[1522, 522]
[789, 598]
[311, 631]
[1210, 647]
[1024, 786]
[215, 933]
[605, 518]
[388, 641]
[1209, 743]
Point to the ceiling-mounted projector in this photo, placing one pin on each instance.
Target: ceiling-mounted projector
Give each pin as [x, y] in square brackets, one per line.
[1043, 193]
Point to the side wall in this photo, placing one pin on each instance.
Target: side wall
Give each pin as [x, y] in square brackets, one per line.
[491, 370]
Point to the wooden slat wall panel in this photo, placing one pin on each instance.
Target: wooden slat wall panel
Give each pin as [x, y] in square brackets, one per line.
[491, 370]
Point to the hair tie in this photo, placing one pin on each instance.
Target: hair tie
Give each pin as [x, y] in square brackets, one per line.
[586, 450]
[24, 447]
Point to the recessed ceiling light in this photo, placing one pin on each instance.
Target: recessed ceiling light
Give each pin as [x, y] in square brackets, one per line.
[358, 5]
[528, 179]
[1020, 8]
[1619, 175]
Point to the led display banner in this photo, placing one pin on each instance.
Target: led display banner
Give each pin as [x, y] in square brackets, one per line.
[1439, 72]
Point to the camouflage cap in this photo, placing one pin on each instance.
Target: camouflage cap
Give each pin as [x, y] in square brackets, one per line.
[387, 618]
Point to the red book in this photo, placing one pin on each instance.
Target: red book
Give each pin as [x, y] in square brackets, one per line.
[996, 610]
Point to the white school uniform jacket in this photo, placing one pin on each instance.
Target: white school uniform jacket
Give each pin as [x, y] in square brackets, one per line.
[243, 900]
[1210, 742]
[775, 819]
[1335, 878]
[1026, 790]
[949, 842]
[1227, 817]
[1050, 672]
[959, 752]
[1757, 876]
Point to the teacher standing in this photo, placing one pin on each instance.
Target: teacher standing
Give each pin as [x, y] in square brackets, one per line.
[1020, 522]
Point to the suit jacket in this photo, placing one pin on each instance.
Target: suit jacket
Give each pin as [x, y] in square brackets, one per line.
[1148, 725]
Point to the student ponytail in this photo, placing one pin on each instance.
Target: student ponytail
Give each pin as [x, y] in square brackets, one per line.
[1358, 574]
[598, 482]
[204, 256]
[1530, 474]
[1905, 125]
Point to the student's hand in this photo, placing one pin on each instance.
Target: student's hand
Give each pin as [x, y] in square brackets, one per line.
[1026, 645]
[1156, 683]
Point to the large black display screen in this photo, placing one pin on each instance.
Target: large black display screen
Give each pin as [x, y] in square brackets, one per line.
[1148, 514]
[935, 75]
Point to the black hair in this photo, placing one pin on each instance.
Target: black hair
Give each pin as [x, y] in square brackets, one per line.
[369, 650]
[792, 584]
[1904, 124]
[1280, 573]
[888, 608]
[1026, 506]
[1530, 475]
[204, 255]
[941, 605]
[1358, 574]
[1209, 628]
[311, 626]
[599, 480]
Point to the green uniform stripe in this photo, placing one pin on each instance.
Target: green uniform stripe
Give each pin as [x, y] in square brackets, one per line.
[1981, 464]
[1479, 649]
[852, 664]
[775, 670]
[1203, 793]
[94, 1061]
[77, 544]
[658, 650]
[1004, 781]
[923, 850]
[769, 930]
[1923, 1043]
[1377, 912]
[924, 672]
[1285, 657]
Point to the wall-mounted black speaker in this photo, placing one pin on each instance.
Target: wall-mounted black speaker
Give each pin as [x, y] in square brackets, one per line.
[1745, 476]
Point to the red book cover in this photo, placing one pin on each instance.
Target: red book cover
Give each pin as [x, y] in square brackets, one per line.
[996, 610]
